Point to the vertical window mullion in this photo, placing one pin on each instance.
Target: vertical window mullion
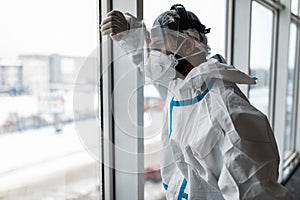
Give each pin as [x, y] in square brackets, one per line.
[295, 92]
[296, 128]
[241, 37]
[273, 66]
[107, 122]
[281, 81]
[229, 40]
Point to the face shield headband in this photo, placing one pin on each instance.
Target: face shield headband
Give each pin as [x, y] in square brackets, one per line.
[183, 23]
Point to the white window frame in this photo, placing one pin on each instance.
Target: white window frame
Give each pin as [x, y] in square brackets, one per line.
[118, 180]
[295, 137]
[296, 20]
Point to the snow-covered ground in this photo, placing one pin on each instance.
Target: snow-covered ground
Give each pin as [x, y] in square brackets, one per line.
[32, 157]
[43, 159]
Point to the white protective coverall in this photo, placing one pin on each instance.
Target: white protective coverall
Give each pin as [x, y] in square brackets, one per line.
[216, 144]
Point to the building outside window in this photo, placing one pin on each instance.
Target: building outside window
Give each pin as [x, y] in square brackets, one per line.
[43, 46]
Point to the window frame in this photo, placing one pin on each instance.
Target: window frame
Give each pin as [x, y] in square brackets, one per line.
[272, 69]
[293, 154]
[291, 150]
[237, 51]
[114, 178]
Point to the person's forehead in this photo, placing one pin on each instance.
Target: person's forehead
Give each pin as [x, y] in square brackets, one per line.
[158, 33]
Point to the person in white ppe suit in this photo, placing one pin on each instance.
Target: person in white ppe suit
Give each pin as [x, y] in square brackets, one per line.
[216, 144]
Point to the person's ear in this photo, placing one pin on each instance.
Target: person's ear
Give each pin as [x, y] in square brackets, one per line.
[189, 45]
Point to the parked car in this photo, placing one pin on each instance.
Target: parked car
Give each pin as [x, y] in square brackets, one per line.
[153, 173]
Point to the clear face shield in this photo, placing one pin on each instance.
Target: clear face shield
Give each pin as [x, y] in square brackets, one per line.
[168, 57]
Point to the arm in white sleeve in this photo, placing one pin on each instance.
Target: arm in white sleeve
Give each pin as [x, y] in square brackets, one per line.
[134, 41]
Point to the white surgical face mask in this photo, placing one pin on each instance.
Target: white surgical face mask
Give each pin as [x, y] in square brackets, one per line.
[161, 67]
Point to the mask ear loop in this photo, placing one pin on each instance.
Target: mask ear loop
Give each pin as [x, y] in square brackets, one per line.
[172, 56]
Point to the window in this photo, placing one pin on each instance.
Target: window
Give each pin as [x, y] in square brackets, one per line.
[290, 107]
[295, 7]
[260, 56]
[43, 47]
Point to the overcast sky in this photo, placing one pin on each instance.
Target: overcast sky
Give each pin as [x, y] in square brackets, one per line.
[47, 26]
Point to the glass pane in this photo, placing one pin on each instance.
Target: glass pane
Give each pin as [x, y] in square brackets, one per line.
[154, 117]
[260, 56]
[290, 88]
[43, 47]
[294, 6]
